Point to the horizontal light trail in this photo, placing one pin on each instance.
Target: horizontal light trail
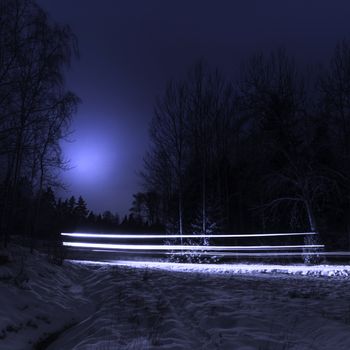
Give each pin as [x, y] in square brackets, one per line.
[138, 236]
[230, 254]
[253, 254]
[210, 253]
[185, 247]
[127, 251]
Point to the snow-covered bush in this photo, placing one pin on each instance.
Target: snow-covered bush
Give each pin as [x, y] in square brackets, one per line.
[193, 255]
[311, 258]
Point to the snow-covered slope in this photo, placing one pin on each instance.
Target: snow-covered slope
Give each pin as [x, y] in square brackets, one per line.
[187, 307]
[38, 299]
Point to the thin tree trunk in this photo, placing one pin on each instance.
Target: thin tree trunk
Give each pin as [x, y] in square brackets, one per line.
[311, 217]
[180, 214]
[311, 240]
[204, 216]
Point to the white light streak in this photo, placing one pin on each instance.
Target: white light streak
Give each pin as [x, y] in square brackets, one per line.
[228, 254]
[186, 247]
[231, 254]
[145, 236]
[124, 251]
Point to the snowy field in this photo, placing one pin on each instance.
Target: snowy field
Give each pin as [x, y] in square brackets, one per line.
[162, 306]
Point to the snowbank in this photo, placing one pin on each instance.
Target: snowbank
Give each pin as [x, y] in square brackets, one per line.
[304, 270]
[37, 299]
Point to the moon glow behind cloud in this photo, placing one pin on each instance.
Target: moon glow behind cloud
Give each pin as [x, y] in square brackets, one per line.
[94, 156]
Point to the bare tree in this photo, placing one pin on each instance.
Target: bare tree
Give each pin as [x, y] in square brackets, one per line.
[35, 51]
[168, 134]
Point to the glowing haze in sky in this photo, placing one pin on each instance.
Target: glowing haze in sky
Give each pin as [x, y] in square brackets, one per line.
[92, 159]
[129, 49]
[98, 160]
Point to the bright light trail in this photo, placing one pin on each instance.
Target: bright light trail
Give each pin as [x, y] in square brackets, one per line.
[227, 254]
[125, 251]
[185, 247]
[138, 236]
[254, 254]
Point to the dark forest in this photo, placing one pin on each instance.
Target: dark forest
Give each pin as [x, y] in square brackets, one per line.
[267, 151]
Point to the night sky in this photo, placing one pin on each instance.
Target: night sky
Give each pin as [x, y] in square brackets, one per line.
[129, 49]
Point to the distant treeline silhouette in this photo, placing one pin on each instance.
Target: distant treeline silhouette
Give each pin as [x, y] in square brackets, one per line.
[73, 215]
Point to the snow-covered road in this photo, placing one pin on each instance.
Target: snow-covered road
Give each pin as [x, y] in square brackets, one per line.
[153, 309]
[103, 307]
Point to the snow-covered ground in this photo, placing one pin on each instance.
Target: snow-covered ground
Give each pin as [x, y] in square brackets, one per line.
[237, 268]
[163, 306]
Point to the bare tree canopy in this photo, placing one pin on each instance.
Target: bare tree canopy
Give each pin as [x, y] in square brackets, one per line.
[35, 107]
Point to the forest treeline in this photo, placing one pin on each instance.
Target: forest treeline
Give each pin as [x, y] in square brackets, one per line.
[73, 215]
[266, 152]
